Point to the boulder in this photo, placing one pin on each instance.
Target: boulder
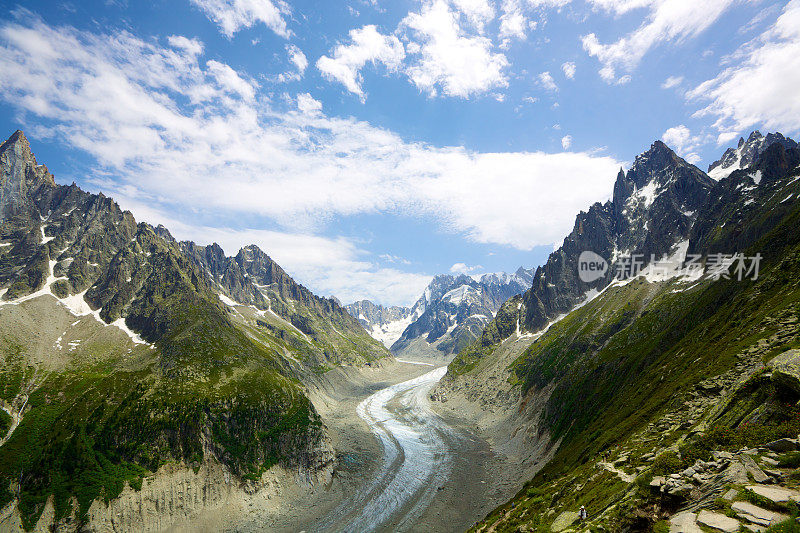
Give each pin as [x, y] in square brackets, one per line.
[721, 456]
[564, 520]
[736, 473]
[783, 445]
[717, 521]
[786, 369]
[756, 515]
[657, 481]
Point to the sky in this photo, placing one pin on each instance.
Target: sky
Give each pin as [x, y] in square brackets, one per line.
[367, 145]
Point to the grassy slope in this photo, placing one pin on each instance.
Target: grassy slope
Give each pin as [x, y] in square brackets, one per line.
[89, 429]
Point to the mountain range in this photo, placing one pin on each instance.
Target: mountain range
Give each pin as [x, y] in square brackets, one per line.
[648, 398]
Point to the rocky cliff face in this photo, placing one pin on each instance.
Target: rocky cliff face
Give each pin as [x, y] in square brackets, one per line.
[653, 207]
[252, 278]
[124, 351]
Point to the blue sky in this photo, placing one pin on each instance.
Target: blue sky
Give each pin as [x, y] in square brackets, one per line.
[368, 145]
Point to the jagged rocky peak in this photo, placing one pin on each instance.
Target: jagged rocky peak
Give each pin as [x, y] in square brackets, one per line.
[653, 172]
[653, 208]
[20, 176]
[522, 276]
[747, 153]
[164, 233]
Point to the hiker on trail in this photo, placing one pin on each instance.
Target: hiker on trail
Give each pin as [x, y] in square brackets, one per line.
[582, 513]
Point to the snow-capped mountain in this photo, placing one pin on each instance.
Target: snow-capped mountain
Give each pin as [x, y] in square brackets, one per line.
[746, 153]
[453, 311]
[450, 314]
[385, 324]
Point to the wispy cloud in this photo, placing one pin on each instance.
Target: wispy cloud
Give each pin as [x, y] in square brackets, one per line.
[546, 80]
[672, 82]
[761, 85]
[680, 139]
[666, 21]
[367, 45]
[463, 268]
[234, 15]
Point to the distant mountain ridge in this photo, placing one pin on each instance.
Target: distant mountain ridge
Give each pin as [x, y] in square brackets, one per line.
[450, 314]
[384, 323]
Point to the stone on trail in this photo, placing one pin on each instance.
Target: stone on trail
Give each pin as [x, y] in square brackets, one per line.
[776, 494]
[564, 520]
[731, 495]
[757, 515]
[752, 468]
[786, 369]
[717, 521]
[684, 523]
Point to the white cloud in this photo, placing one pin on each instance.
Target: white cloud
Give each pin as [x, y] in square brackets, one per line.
[478, 12]
[367, 45]
[680, 139]
[513, 24]
[569, 69]
[300, 62]
[620, 7]
[463, 268]
[297, 57]
[667, 21]
[307, 104]
[566, 142]
[389, 258]
[761, 86]
[233, 15]
[180, 136]
[546, 4]
[672, 81]
[230, 81]
[190, 46]
[443, 57]
[546, 81]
